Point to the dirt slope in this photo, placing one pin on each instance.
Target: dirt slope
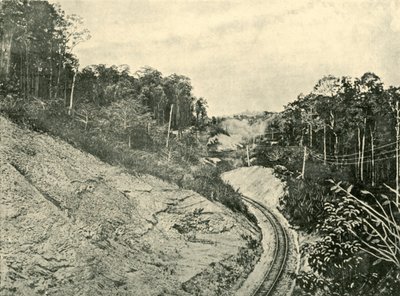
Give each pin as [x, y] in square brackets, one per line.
[72, 225]
[259, 184]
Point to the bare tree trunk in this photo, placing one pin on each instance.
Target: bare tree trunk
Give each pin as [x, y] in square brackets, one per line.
[5, 58]
[335, 146]
[248, 155]
[362, 154]
[51, 77]
[58, 81]
[21, 68]
[158, 114]
[33, 81]
[37, 82]
[311, 136]
[397, 151]
[71, 101]
[325, 144]
[332, 127]
[58, 75]
[86, 120]
[301, 139]
[372, 159]
[303, 170]
[169, 125]
[65, 85]
[179, 119]
[356, 164]
[26, 70]
[359, 151]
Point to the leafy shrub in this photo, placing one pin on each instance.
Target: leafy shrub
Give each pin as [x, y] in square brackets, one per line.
[358, 250]
[304, 203]
[11, 102]
[291, 157]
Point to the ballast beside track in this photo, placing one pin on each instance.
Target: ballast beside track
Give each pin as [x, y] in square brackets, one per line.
[280, 255]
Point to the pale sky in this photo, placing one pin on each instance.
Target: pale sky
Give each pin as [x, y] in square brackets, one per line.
[244, 55]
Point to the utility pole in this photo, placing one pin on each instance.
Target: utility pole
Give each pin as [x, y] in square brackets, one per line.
[169, 124]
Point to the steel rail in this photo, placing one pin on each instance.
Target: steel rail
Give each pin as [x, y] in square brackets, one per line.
[275, 271]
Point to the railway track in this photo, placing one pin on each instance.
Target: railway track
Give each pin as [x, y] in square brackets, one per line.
[274, 273]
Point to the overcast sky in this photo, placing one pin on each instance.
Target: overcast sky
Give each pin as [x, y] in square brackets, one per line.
[245, 55]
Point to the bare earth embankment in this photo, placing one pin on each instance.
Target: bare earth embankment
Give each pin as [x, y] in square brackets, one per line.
[72, 225]
[260, 184]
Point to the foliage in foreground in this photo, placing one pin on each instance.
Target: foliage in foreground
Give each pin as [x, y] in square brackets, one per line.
[358, 252]
[359, 249]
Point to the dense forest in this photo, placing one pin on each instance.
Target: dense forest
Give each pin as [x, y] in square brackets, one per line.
[349, 122]
[40, 79]
[340, 146]
[37, 61]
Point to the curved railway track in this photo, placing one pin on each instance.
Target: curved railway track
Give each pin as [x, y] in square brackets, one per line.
[274, 273]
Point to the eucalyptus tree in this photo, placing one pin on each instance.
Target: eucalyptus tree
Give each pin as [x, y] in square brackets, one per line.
[37, 41]
[124, 115]
[200, 108]
[75, 35]
[370, 102]
[151, 91]
[178, 90]
[393, 98]
[328, 107]
[11, 24]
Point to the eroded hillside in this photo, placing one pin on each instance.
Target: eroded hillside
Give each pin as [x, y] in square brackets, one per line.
[72, 225]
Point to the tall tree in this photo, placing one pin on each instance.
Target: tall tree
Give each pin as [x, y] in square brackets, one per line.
[200, 108]
[328, 89]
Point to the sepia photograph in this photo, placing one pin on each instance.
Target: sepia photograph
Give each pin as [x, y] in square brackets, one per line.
[199, 147]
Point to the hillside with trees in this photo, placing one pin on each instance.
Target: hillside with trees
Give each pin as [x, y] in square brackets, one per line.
[340, 144]
[142, 123]
[38, 68]
[143, 120]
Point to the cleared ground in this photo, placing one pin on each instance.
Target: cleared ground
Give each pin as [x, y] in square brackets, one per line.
[72, 225]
